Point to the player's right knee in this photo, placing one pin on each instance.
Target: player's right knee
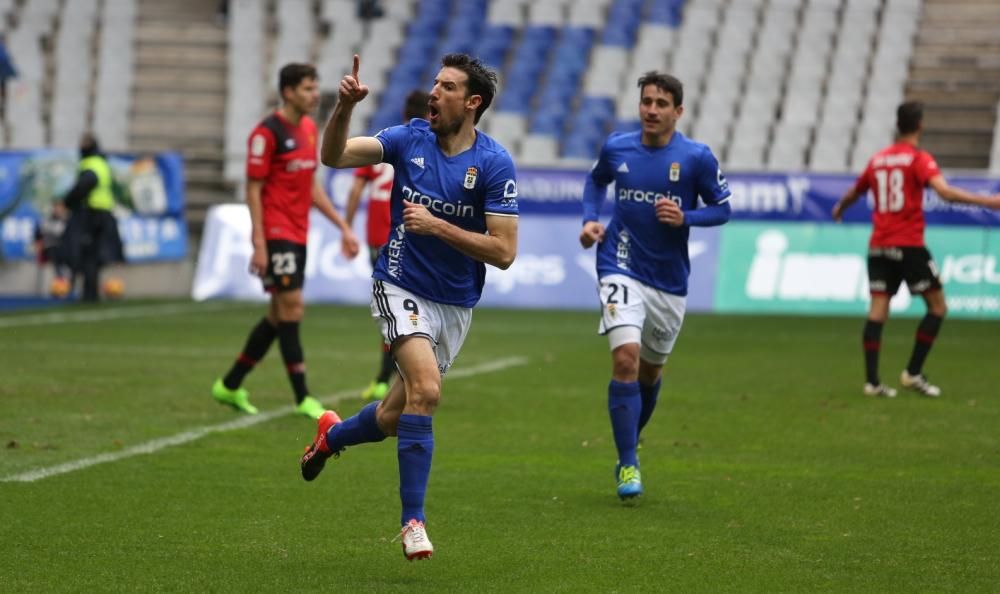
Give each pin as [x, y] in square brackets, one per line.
[625, 367]
[424, 394]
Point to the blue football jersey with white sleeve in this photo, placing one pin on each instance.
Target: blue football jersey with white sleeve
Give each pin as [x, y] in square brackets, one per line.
[636, 244]
[462, 190]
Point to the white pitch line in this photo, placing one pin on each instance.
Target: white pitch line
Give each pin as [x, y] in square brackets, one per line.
[98, 315]
[241, 423]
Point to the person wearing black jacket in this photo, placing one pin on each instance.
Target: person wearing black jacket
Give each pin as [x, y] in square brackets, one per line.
[91, 240]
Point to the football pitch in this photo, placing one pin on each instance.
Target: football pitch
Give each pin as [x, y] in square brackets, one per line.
[765, 468]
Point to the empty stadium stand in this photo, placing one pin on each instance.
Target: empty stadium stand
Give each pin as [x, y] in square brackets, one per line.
[779, 85]
[956, 71]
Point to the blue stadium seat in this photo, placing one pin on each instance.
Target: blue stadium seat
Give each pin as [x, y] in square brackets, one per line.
[578, 147]
[558, 93]
[600, 108]
[664, 12]
[627, 125]
[623, 23]
[549, 120]
[515, 97]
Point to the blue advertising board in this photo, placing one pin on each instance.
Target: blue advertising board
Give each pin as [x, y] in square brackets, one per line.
[756, 196]
[152, 228]
[551, 271]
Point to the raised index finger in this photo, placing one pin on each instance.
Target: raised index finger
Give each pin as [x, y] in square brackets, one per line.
[357, 64]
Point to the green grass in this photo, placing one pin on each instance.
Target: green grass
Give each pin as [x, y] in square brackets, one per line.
[765, 468]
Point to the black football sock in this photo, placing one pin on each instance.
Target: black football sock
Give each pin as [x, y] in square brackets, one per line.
[291, 352]
[256, 347]
[387, 366]
[872, 342]
[927, 331]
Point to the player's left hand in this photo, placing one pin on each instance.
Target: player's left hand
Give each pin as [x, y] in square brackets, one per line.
[349, 245]
[668, 212]
[417, 219]
[351, 89]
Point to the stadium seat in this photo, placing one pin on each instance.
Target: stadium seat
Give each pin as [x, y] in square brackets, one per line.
[539, 149]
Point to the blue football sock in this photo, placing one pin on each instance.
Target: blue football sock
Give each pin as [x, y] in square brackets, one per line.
[414, 450]
[650, 394]
[624, 404]
[361, 428]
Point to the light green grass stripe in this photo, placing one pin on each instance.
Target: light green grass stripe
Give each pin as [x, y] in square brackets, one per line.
[241, 423]
[115, 313]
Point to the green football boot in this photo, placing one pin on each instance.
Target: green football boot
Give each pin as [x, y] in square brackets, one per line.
[629, 482]
[238, 398]
[375, 391]
[310, 407]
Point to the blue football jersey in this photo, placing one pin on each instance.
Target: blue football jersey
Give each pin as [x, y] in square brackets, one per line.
[461, 190]
[636, 243]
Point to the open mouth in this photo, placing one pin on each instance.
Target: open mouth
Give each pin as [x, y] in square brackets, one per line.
[432, 113]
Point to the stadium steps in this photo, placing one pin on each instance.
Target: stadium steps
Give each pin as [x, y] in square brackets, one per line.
[180, 95]
[955, 70]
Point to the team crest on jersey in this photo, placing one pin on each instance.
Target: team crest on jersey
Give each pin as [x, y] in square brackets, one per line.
[470, 178]
[612, 310]
[413, 319]
[675, 171]
[257, 145]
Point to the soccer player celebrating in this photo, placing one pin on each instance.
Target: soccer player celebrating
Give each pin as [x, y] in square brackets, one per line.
[897, 176]
[454, 208]
[379, 219]
[281, 188]
[642, 255]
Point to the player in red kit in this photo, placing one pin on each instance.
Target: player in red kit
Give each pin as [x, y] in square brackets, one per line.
[380, 176]
[281, 189]
[897, 176]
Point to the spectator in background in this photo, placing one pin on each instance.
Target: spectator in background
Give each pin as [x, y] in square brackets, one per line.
[48, 234]
[380, 175]
[222, 13]
[91, 239]
[370, 9]
[7, 71]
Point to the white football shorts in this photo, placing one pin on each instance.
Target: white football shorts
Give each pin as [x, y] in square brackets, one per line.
[401, 313]
[632, 311]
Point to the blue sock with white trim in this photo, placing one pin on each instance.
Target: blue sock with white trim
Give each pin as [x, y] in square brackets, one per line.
[624, 404]
[414, 451]
[650, 395]
[361, 428]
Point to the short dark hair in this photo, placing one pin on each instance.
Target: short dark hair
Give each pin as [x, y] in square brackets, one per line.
[665, 83]
[293, 74]
[89, 145]
[909, 115]
[482, 79]
[416, 105]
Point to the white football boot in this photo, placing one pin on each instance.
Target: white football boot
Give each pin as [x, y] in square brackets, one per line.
[919, 383]
[416, 545]
[879, 390]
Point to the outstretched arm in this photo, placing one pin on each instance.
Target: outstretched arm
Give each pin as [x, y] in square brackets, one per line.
[953, 194]
[337, 150]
